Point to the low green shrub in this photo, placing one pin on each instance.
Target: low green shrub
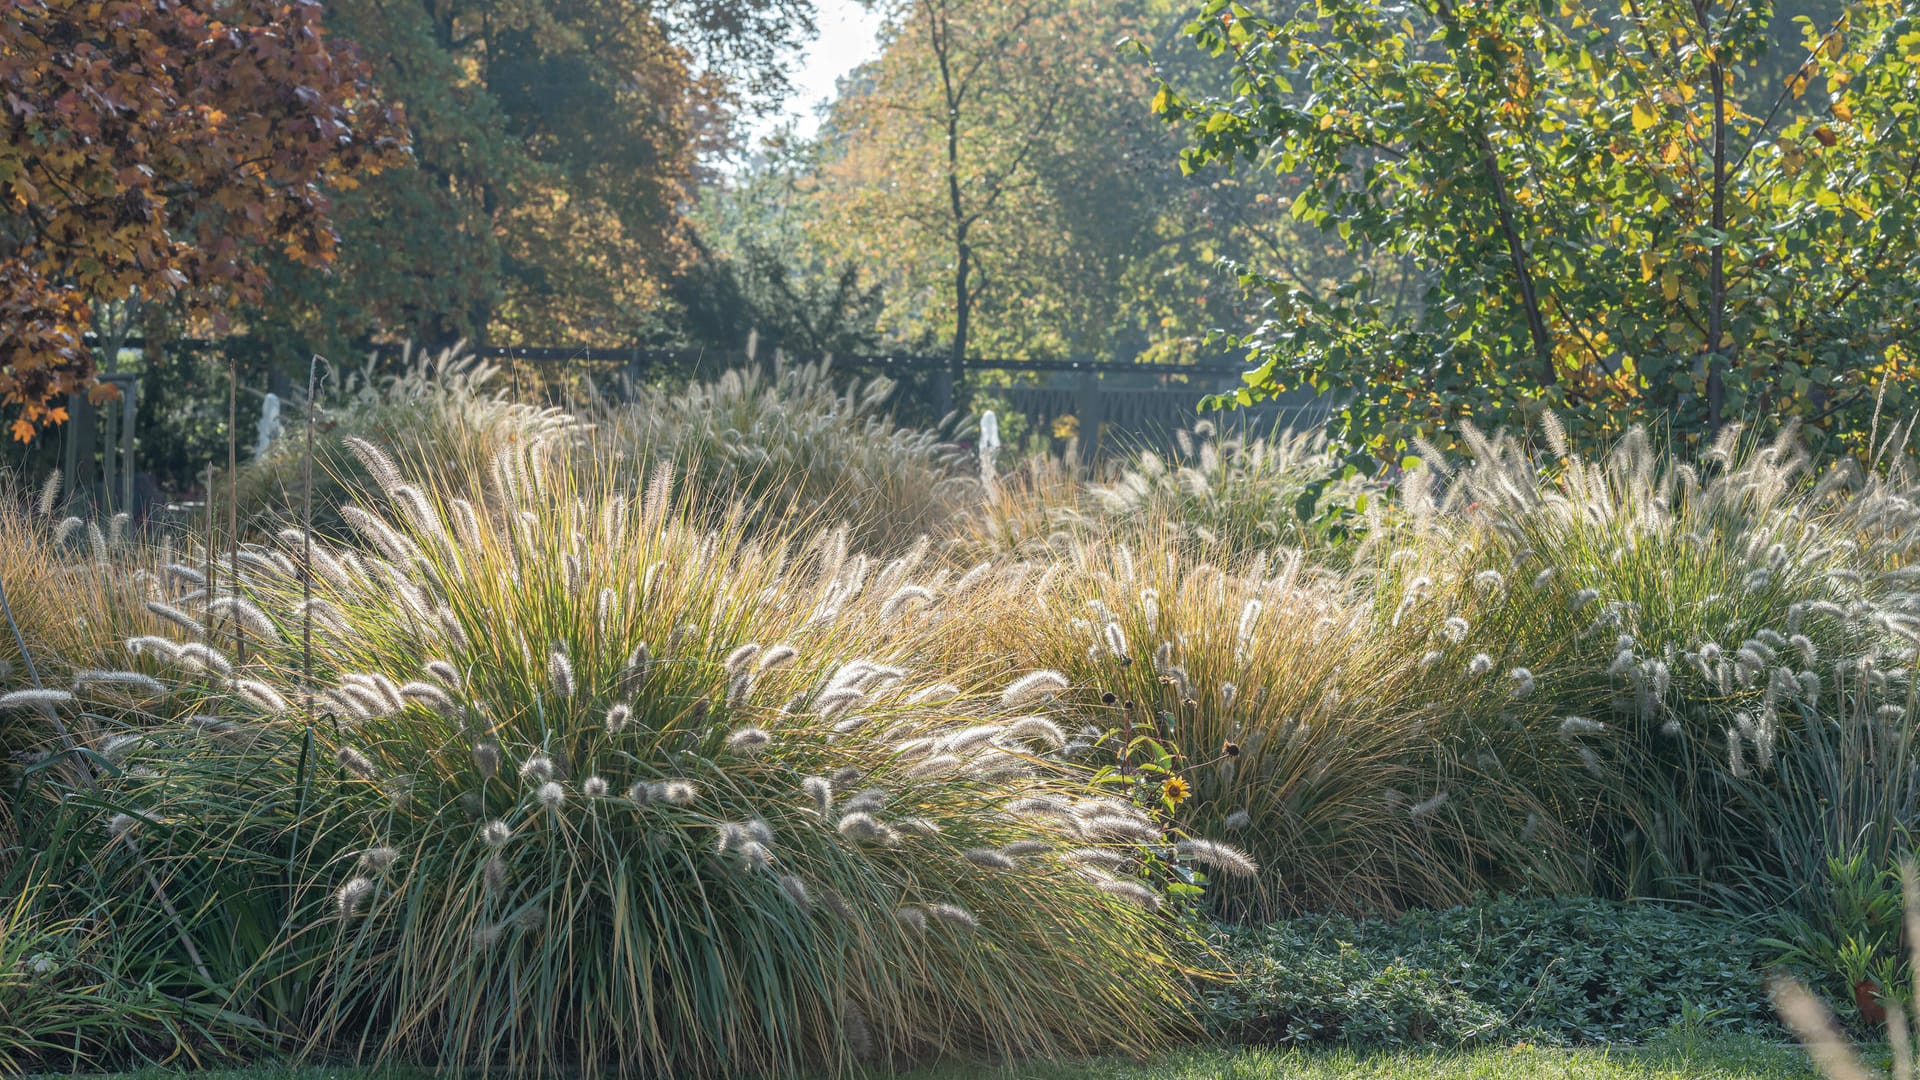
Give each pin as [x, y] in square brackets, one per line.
[1547, 970]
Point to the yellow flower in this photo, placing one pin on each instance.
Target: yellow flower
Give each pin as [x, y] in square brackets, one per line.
[1176, 790]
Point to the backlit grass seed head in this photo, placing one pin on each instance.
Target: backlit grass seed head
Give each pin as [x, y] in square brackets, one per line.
[355, 762]
[379, 859]
[594, 787]
[738, 659]
[560, 674]
[796, 890]
[429, 695]
[863, 828]
[1026, 847]
[551, 795]
[1238, 820]
[1544, 578]
[536, 769]
[1131, 891]
[120, 825]
[674, 792]
[1479, 665]
[34, 699]
[1489, 581]
[776, 656]
[912, 917]
[1574, 726]
[1225, 858]
[1116, 639]
[617, 718]
[953, 915]
[486, 759]
[820, 792]
[353, 896]
[1522, 683]
[990, 859]
[1428, 806]
[1118, 827]
[925, 828]
[1455, 629]
[749, 740]
[1581, 599]
[1032, 687]
[129, 681]
[1431, 657]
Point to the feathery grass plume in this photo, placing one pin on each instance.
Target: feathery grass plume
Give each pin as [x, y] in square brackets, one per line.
[149, 645]
[796, 890]
[429, 695]
[552, 795]
[376, 461]
[953, 915]
[355, 762]
[1033, 687]
[594, 787]
[353, 896]
[674, 792]
[1116, 639]
[777, 656]
[261, 696]
[749, 740]
[990, 858]
[177, 617]
[912, 917]
[738, 659]
[1027, 847]
[379, 859]
[1581, 599]
[903, 599]
[1479, 665]
[560, 674]
[1132, 892]
[537, 769]
[201, 656]
[1574, 726]
[617, 718]
[1454, 629]
[123, 680]
[1222, 857]
[1119, 827]
[1522, 683]
[1036, 729]
[1238, 820]
[66, 529]
[247, 615]
[495, 834]
[34, 699]
[486, 760]
[863, 828]
[820, 792]
[1489, 581]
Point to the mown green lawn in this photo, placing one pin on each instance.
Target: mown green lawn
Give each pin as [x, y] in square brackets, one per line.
[1724, 1059]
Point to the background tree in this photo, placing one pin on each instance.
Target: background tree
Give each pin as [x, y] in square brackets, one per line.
[558, 145]
[153, 151]
[1607, 213]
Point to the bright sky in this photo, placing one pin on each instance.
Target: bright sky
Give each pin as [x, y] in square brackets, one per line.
[846, 41]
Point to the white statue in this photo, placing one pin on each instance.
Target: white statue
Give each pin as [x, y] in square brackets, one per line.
[269, 426]
[989, 448]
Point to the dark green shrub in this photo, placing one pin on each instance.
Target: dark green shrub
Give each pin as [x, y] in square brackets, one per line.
[1558, 971]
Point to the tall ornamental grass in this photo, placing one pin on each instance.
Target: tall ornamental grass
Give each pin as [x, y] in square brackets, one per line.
[787, 439]
[1620, 676]
[584, 783]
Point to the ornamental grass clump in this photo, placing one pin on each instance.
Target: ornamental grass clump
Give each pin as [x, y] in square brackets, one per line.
[1691, 651]
[787, 439]
[589, 784]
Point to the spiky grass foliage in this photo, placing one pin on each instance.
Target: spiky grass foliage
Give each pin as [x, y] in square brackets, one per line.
[66, 1005]
[1627, 675]
[429, 409]
[1289, 489]
[786, 437]
[593, 785]
[1290, 712]
[1709, 639]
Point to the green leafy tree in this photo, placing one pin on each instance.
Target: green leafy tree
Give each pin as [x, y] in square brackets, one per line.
[557, 147]
[1605, 210]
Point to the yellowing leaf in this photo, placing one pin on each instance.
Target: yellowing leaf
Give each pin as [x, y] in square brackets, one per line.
[1649, 266]
[1670, 285]
[1643, 117]
[1842, 111]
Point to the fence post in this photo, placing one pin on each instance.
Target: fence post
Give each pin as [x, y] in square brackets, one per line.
[1090, 410]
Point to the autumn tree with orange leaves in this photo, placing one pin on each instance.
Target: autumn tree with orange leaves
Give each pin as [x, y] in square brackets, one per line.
[159, 148]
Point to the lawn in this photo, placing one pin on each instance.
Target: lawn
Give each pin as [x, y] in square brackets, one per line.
[1673, 1059]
